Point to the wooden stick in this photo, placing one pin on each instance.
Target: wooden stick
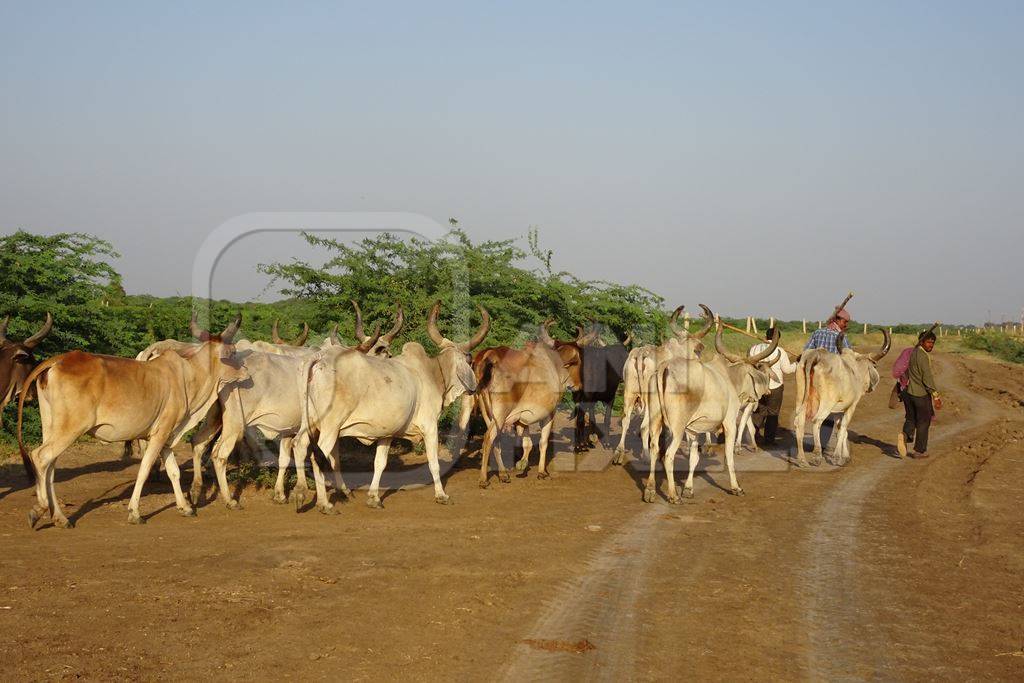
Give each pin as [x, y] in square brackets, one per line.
[753, 336]
[842, 305]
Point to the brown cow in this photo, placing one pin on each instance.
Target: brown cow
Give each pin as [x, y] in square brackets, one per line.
[521, 387]
[120, 399]
[17, 359]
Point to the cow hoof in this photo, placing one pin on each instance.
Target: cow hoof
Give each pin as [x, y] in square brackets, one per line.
[233, 505]
[483, 483]
[327, 510]
[675, 500]
[619, 458]
[346, 491]
[279, 498]
[63, 523]
[134, 518]
[33, 516]
[738, 491]
[443, 500]
[521, 465]
[187, 512]
[543, 475]
[373, 502]
[687, 493]
[196, 495]
[650, 495]
[505, 478]
[299, 497]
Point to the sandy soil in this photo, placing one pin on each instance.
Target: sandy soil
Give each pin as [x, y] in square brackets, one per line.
[883, 569]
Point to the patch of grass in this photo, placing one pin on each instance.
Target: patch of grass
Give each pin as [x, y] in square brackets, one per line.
[1002, 346]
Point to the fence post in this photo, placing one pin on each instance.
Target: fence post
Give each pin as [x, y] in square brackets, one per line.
[865, 328]
[805, 325]
[753, 324]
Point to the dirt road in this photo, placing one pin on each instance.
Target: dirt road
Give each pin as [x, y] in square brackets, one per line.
[883, 569]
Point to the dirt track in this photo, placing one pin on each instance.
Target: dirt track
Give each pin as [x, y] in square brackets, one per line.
[884, 569]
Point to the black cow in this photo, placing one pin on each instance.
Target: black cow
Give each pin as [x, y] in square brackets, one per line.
[601, 375]
[17, 359]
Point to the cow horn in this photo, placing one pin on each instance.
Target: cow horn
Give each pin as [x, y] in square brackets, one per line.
[360, 334]
[481, 333]
[3, 329]
[399, 321]
[197, 332]
[672, 320]
[334, 336]
[228, 335]
[436, 336]
[367, 343]
[274, 336]
[301, 339]
[707, 326]
[720, 347]
[628, 340]
[581, 335]
[593, 336]
[755, 359]
[886, 344]
[545, 335]
[39, 336]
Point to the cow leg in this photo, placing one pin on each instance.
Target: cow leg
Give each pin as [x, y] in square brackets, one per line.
[580, 431]
[339, 482]
[730, 450]
[816, 429]
[503, 476]
[284, 458]
[380, 460]
[620, 450]
[219, 457]
[545, 437]
[746, 426]
[751, 432]
[45, 460]
[153, 448]
[652, 444]
[174, 474]
[606, 437]
[799, 420]
[200, 445]
[842, 452]
[326, 444]
[694, 460]
[485, 451]
[592, 428]
[524, 461]
[669, 462]
[300, 449]
[430, 441]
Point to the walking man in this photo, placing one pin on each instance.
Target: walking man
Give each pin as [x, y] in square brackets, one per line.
[825, 338]
[920, 400]
[766, 417]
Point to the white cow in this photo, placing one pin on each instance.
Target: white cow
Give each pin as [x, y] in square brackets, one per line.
[828, 383]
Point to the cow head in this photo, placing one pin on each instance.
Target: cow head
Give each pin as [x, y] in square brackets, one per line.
[17, 358]
[381, 345]
[568, 352]
[219, 349]
[453, 358]
[866, 362]
[691, 343]
[298, 341]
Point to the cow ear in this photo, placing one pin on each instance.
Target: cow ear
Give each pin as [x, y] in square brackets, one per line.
[466, 376]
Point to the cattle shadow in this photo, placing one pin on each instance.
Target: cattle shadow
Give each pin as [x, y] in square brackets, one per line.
[884, 447]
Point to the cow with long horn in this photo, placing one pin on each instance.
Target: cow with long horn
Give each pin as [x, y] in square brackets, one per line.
[641, 363]
[520, 388]
[749, 376]
[120, 399]
[828, 383]
[379, 399]
[689, 396]
[17, 358]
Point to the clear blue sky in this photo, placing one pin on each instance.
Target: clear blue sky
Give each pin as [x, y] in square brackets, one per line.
[761, 157]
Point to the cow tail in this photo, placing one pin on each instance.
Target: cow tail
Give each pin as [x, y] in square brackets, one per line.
[26, 460]
[810, 404]
[305, 376]
[466, 411]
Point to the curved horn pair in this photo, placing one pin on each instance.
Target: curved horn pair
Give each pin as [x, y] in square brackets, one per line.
[390, 336]
[467, 346]
[226, 337]
[298, 341]
[34, 340]
[367, 343]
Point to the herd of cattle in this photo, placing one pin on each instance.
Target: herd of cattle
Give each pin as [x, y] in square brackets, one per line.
[308, 397]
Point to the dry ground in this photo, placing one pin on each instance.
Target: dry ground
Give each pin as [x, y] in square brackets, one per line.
[883, 569]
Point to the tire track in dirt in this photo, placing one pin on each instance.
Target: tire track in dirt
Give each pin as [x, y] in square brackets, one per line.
[842, 645]
[596, 610]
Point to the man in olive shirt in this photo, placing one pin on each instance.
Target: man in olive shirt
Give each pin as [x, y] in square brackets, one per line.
[920, 399]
